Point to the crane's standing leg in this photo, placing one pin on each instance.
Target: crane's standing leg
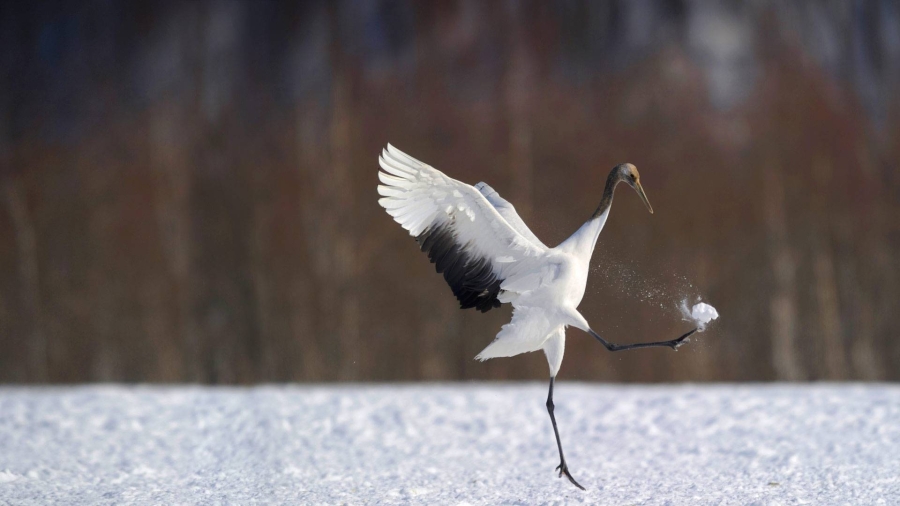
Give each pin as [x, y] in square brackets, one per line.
[562, 468]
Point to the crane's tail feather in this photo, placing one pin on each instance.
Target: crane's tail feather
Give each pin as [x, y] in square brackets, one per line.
[527, 331]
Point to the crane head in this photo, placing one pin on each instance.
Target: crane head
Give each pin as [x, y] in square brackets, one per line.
[629, 174]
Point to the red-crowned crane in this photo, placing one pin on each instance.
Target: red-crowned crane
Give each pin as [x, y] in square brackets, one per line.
[488, 256]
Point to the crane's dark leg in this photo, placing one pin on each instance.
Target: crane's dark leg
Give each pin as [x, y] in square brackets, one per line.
[674, 343]
[562, 468]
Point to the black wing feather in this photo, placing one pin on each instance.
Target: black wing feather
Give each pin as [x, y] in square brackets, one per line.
[470, 276]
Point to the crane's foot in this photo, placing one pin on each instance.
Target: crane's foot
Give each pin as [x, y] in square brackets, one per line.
[564, 470]
[681, 340]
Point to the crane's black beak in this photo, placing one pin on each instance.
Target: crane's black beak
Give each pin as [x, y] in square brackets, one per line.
[640, 191]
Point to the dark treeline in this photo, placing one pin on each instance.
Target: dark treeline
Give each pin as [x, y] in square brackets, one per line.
[187, 189]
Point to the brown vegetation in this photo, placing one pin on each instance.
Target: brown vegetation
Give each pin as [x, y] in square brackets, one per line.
[188, 192]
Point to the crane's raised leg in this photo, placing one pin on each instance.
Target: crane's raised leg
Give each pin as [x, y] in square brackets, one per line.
[562, 468]
[674, 343]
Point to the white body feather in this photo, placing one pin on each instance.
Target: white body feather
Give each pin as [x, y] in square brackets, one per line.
[545, 285]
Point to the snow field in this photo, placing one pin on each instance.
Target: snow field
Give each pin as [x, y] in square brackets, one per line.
[450, 444]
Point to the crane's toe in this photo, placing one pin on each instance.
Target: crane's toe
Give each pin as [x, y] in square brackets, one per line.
[682, 340]
[564, 469]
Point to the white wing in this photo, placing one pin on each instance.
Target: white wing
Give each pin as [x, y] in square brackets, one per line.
[465, 236]
[508, 211]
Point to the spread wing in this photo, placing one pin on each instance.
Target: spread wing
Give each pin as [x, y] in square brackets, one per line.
[464, 235]
[508, 211]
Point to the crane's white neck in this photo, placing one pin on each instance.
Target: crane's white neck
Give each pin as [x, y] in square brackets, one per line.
[581, 244]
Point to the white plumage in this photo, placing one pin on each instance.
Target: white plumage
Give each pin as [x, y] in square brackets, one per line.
[488, 256]
[544, 285]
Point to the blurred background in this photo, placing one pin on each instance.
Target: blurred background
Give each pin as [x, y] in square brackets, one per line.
[187, 189]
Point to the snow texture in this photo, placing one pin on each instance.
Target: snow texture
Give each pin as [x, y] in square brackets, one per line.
[704, 313]
[450, 444]
[701, 314]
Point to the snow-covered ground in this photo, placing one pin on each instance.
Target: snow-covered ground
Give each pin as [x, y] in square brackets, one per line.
[450, 444]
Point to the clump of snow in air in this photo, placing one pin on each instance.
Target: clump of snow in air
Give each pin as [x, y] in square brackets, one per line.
[700, 313]
[704, 313]
[658, 291]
